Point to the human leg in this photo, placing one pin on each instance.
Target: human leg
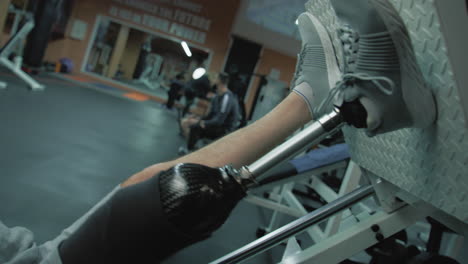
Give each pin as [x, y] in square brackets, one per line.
[188, 103]
[17, 244]
[186, 123]
[213, 132]
[194, 135]
[148, 221]
[171, 97]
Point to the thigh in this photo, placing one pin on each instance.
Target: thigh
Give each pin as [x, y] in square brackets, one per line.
[189, 121]
[193, 120]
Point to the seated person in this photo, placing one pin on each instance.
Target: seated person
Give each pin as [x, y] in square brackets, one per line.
[222, 119]
[195, 88]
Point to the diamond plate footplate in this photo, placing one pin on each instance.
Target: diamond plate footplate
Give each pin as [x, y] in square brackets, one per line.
[431, 163]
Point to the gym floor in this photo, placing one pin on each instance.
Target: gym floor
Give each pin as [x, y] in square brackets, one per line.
[64, 148]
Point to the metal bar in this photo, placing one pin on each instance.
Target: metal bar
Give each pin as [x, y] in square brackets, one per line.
[271, 180]
[33, 84]
[16, 22]
[19, 36]
[295, 227]
[359, 236]
[313, 134]
[275, 206]
[350, 182]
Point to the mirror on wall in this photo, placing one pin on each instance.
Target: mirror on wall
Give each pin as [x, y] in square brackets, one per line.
[140, 59]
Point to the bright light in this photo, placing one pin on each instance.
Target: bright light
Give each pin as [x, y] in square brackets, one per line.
[297, 22]
[198, 73]
[186, 49]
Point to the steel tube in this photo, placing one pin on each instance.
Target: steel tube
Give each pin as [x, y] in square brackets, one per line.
[274, 238]
[313, 134]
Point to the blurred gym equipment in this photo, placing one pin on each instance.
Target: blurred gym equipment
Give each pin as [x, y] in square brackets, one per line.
[14, 47]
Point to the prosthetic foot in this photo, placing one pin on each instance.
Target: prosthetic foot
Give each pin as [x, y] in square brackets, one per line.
[387, 80]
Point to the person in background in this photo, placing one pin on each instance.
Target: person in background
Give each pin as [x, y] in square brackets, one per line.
[175, 90]
[223, 117]
[238, 87]
[195, 88]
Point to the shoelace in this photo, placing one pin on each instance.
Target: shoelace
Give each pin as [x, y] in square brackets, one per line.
[349, 40]
[349, 79]
[299, 62]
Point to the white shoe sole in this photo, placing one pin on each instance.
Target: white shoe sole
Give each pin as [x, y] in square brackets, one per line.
[416, 94]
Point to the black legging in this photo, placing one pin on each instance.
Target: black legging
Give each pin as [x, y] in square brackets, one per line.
[189, 98]
[171, 98]
[132, 227]
[197, 132]
[151, 220]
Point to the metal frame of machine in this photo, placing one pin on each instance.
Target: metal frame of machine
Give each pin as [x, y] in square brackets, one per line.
[16, 39]
[422, 172]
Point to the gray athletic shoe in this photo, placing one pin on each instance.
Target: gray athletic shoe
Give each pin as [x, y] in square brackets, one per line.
[317, 69]
[387, 80]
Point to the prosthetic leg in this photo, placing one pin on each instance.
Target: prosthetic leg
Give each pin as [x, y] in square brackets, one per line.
[187, 203]
[180, 206]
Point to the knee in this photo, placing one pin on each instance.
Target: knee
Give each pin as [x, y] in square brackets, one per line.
[145, 174]
[184, 122]
[195, 126]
